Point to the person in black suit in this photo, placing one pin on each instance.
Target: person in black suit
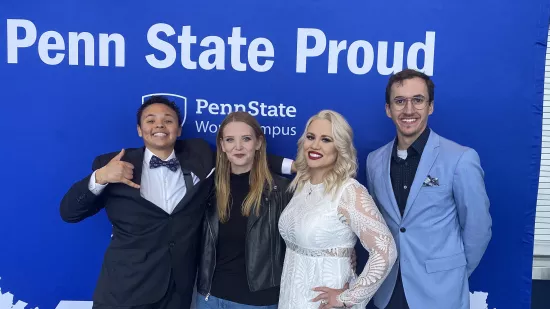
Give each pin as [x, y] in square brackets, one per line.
[154, 197]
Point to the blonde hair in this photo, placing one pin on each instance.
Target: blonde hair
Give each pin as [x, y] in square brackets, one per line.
[259, 174]
[345, 166]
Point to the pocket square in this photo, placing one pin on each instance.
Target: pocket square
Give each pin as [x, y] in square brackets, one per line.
[431, 182]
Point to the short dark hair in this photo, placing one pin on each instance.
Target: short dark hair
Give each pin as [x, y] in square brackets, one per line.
[409, 74]
[158, 100]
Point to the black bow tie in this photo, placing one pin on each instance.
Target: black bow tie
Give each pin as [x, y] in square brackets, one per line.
[172, 164]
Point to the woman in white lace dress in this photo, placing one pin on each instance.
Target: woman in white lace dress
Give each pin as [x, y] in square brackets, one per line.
[330, 210]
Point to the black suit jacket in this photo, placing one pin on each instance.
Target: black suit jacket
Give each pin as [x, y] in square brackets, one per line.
[148, 245]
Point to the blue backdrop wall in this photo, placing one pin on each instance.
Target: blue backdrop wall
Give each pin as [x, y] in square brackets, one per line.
[73, 73]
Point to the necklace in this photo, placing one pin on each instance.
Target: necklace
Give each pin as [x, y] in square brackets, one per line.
[312, 187]
[313, 199]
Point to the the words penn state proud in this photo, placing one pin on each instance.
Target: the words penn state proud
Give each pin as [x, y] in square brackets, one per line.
[177, 46]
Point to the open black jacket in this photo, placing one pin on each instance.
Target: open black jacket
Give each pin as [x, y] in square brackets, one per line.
[264, 255]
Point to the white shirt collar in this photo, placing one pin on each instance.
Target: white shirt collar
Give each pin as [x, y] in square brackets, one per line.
[148, 155]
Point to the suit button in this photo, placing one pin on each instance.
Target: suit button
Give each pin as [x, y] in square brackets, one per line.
[403, 230]
[172, 245]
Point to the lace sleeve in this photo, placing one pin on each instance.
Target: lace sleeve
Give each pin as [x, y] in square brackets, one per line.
[358, 210]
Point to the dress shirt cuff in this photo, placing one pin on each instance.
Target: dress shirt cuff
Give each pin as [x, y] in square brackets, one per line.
[94, 187]
[286, 168]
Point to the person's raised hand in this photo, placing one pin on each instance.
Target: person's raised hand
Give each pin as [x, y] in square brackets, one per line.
[116, 171]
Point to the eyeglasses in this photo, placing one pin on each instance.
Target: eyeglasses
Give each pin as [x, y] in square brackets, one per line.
[419, 102]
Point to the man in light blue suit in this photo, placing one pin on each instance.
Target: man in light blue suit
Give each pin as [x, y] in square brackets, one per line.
[432, 195]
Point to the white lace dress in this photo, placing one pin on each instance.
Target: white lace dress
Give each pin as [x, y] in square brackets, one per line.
[320, 234]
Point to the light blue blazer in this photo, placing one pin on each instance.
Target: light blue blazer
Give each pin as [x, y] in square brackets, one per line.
[446, 226]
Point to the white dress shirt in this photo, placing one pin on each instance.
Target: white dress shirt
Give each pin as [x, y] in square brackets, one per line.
[160, 185]
[286, 168]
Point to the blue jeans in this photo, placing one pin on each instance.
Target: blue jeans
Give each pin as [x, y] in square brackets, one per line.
[218, 303]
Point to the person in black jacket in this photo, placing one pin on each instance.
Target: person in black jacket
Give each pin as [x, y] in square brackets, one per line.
[242, 253]
[154, 198]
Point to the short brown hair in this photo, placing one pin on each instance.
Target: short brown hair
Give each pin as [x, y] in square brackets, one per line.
[409, 74]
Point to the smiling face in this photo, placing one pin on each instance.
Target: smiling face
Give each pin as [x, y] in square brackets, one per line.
[240, 143]
[409, 107]
[319, 148]
[159, 127]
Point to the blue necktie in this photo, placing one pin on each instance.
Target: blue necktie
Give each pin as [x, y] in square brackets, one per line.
[172, 164]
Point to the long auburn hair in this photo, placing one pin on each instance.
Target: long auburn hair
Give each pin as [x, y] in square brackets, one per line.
[345, 166]
[259, 174]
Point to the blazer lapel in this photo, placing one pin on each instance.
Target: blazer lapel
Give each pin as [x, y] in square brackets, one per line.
[430, 153]
[135, 157]
[187, 163]
[189, 194]
[387, 182]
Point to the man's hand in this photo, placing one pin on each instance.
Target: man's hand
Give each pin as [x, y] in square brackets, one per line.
[116, 171]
